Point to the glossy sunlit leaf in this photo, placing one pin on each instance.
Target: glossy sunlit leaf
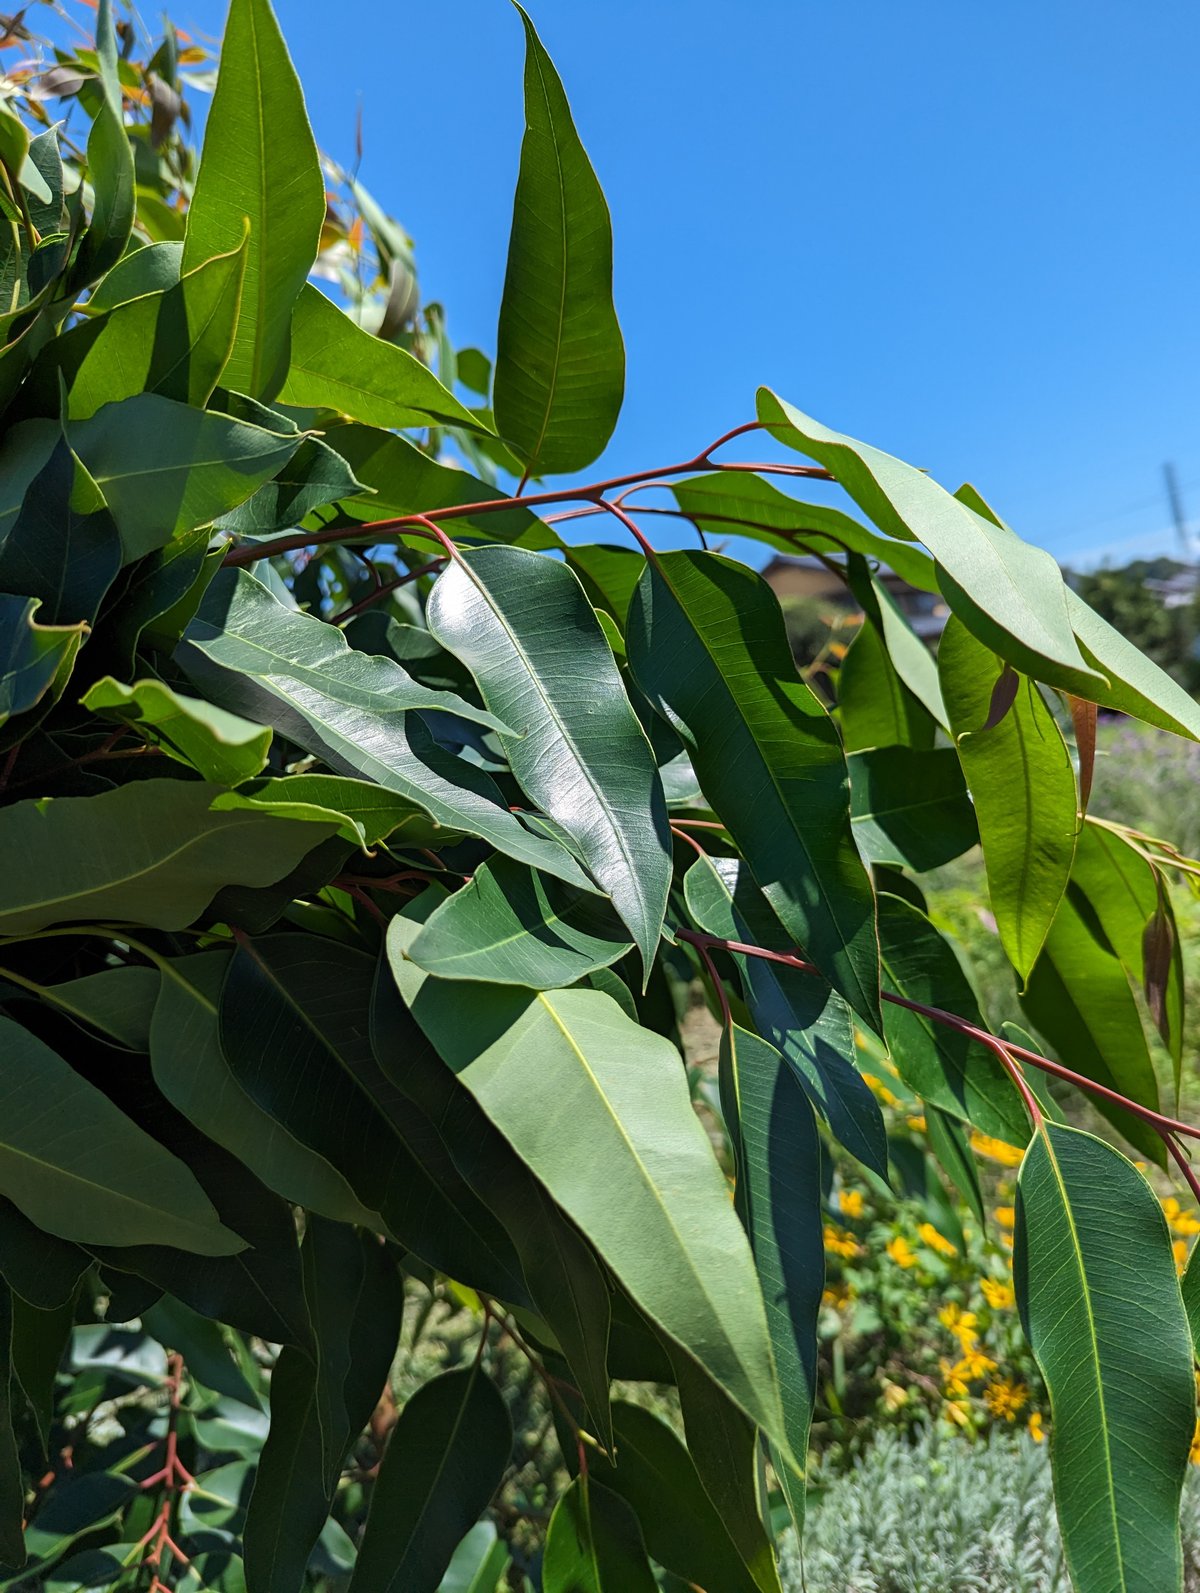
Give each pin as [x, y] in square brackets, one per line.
[259, 162]
[910, 808]
[336, 365]
[174, 342]
[509, 925]
[594, 1544]
[1010, 594]
[218, 745]
[1100, 1303]
[255, 657]
[707, 646]
[162, 467]
[77, 1166]
[1023, 788]
[560, 359]
[796, 1012]
[64, 547]
[943, 1066]
[524, 628]
[444, 1460]
[152, 269]
[153, 852]
[593, 1103]
[778, 1193]
[33, 656]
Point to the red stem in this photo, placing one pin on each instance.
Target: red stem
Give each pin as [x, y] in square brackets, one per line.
[372, 530]
[386, 588]
[1162, 1125]
[174, 1478]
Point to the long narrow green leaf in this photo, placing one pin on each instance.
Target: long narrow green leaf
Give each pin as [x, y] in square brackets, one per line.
[1100, 1302]
[707, 646]
[33, 656]
[336, 365]
[64, 547]
[444, 1460]
[509, 926]
[251, 655]
[218, 745]
[1013, 593]
[77, 1166]
[594, 1544]
[191, 1071]
[560, 359]
[1079, 999]
[778, 1156]
[944, 1067]
[797, 1013]
[593, 1104]
[162, 467]
[656, 1477]
[732, 502]
[524, 628]
[110, 165]
[1023, 787]
[174, 342]
[153, 852]
[259, 161]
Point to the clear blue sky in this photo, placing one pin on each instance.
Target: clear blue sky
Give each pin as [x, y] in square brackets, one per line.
[966, 232]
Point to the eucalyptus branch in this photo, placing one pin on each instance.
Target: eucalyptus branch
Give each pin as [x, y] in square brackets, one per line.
[1165, 1127]
[594, 493]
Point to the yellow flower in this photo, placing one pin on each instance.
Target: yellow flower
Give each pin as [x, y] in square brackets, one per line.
[1005, 1398]
[996, 1150]
[1036, 1431]
[917, 1124]
[851, 1202]
[840, 1243]
[961, 1323]
[1194, 1456]
[1006, 1216]
[1000, 1296]
[835, 1296]
[974, 1364]
[1179, 1249]
[953, 1381]
[901, 1251]
[957, 1412]
[880, 1090]
[935, 1240]
[1183, 1222]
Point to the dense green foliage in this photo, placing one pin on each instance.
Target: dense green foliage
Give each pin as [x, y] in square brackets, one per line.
[363, 840]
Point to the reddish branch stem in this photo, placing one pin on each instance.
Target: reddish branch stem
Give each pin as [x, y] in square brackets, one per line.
[1165, 1127]
[173, 1478]
[373, 530]
[386, 588]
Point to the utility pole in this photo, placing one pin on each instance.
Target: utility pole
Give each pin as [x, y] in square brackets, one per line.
[1175, 498]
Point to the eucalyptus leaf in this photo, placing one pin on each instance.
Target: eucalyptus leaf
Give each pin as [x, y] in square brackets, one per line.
[560, 359]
